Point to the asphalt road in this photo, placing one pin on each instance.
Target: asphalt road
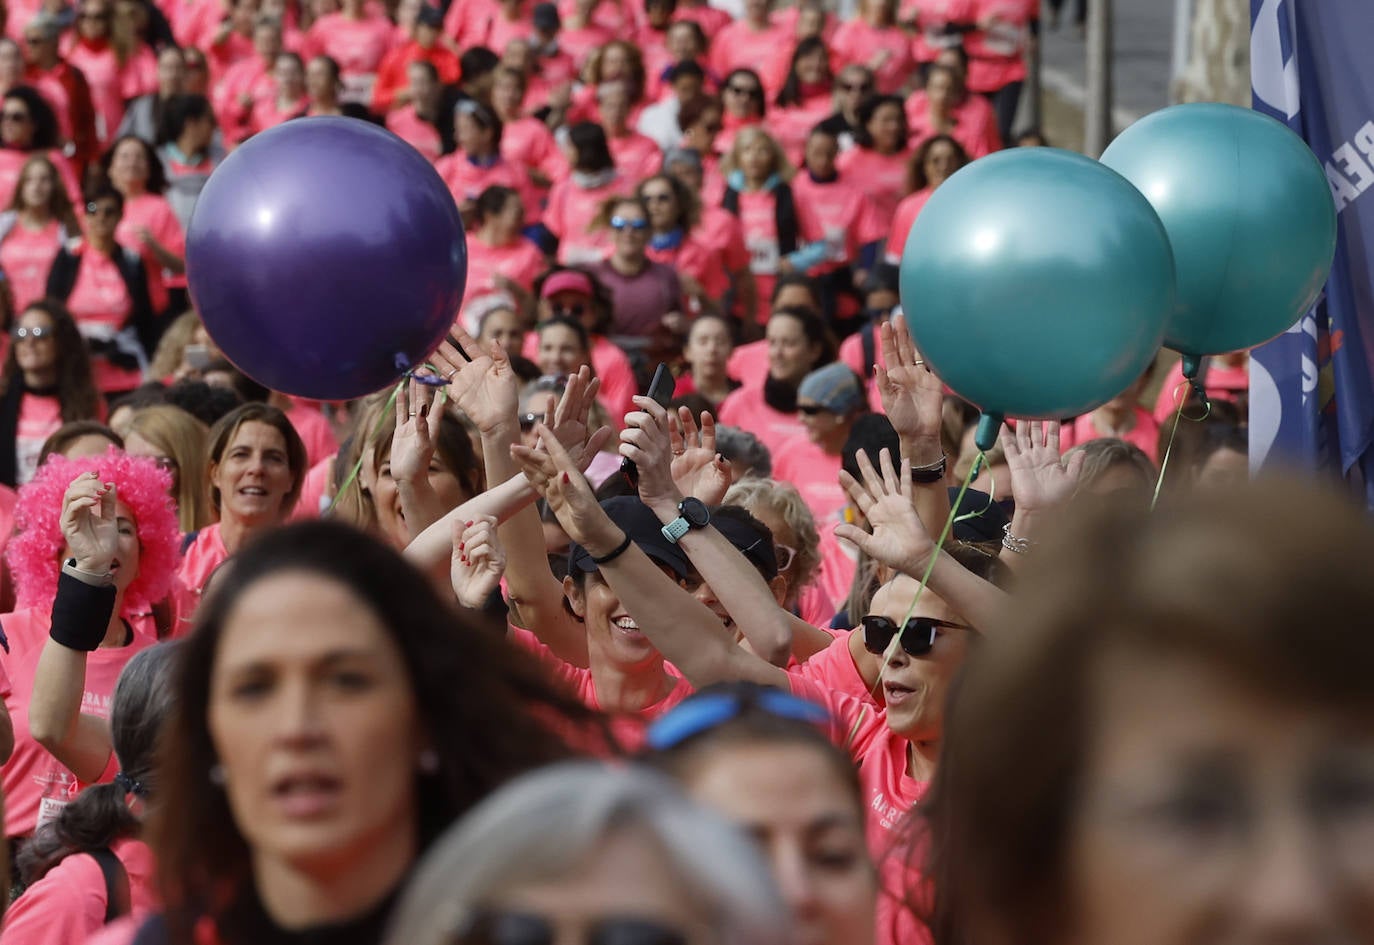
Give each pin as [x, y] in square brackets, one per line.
[1142, 47]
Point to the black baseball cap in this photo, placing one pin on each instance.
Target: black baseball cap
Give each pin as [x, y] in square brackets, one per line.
[750, 537]
[639, 522]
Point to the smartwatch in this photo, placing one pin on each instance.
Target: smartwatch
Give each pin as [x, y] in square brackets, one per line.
[93, 578]
[691, 513]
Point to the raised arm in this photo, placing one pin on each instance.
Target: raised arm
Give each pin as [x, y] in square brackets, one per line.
[1041, 482]
[683, 629]
[412, 449]
[83, 611]
[740, 589]
[483, 385]
[913, 399]
[900, 541]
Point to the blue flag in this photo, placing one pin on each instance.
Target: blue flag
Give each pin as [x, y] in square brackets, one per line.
[1312, 388]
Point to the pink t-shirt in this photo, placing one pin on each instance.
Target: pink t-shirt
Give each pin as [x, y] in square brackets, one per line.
[569, 215]
[759, 223]
[356, 45]
[816, 474]
[520, 262]
[839, 560]
[815, 606]
[882, 176]
[902, 221]
[415, 131]
[857, 43]
[695, 258]
[931, 17]
[252, 78]
[528, 142]
[833, 670]
[314, 488]
[579, 43]
[997, 56]
[636, 156]
[791, 125]
[629, 728]
[975, 124]
[154, 212]
[746, 409]
[201, 559]
[36, 784]
[1145, 433]
[467, 180]
[740, 46]
[847, 218]
[749, 362]
[269, 113]
[711, 19]
[314, 430]
[68, 904]
[101, 305]
[26, 256]
[39, 418]
[466, 22]
[98, 64]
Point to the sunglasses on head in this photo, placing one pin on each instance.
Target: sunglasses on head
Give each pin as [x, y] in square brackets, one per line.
[711, 710]
[620, 223]
[784, 554]
[918, 636]
[496, 927]
[36, 332]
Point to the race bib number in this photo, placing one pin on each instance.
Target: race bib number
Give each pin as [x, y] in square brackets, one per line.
[763, 257]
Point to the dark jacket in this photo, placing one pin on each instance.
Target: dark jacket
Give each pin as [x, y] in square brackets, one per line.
[142, 323]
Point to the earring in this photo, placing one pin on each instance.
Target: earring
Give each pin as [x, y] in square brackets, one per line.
[429, 761]
[217, 775]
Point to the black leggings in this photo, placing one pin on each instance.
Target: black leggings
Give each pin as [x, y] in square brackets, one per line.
[1004, 103]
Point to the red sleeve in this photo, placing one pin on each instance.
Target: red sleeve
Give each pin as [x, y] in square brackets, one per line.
[390, 76]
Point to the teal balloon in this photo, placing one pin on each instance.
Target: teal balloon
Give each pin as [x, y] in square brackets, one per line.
[1249, 214]
[1036, 283]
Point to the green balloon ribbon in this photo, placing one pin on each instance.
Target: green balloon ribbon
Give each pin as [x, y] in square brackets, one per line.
[1190, 380]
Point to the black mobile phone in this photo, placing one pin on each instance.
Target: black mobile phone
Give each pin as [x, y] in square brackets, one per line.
[660, 392]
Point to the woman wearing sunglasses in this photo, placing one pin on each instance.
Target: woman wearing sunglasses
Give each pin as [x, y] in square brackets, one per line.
[921, 636]
[46, 382]
[105, 286]
[28, 126]
[762, 758]
[645, 295]
[744, 106]
[582, 853]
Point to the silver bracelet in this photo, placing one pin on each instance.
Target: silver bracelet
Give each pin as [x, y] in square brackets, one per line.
[1013, 544]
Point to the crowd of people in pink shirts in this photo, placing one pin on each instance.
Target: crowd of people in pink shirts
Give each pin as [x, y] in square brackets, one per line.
[281, 671]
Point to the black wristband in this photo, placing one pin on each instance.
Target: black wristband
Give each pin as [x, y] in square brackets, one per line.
[930, 474]
[81, 613]
[611, 556]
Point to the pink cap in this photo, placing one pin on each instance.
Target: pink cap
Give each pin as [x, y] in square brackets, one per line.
[567, 281]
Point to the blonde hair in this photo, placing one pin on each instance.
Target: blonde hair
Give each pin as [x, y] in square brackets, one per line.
[172, 348]
[183, 438]
[783, 499]
[745, 136]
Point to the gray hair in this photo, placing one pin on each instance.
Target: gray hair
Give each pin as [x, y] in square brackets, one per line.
[741, 446]
[46, 24]
[1107, 453]
[543, 825]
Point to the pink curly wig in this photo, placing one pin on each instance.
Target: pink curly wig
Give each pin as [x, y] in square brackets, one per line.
[34, 552]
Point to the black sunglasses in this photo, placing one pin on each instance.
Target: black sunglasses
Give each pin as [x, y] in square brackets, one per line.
[747, 90]
[576, 310]
[918, 636]
[493, 927]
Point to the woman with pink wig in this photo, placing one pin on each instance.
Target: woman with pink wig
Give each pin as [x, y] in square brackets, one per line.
[96, 547]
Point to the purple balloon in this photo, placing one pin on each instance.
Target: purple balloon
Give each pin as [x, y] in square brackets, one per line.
[326, 258]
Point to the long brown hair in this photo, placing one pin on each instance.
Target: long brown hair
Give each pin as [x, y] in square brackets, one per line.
[77, 396]
[487, 710]
[1268, 583]
[59, 203]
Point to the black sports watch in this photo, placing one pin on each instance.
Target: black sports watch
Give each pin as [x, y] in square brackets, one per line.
[691, 513]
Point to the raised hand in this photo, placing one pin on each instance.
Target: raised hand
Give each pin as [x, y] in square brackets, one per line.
[478, 561]
[552, 473]
[645, 441]
[417, 428]
[898, 539]
[1040, 477]
[481, 381]
[913, 397]
[88, 522]
[697, 468]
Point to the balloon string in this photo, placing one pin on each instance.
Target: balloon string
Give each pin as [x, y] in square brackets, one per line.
[1173, 431]
[930, 567]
